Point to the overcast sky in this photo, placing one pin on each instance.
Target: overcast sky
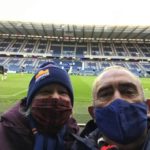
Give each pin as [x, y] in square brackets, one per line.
[101, 12]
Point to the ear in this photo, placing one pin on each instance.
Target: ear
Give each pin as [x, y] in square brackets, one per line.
[91, 111]
[148, 106]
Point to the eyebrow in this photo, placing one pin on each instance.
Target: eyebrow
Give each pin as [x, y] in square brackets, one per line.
[106, 87]
[128, 84]
[121, 84]
[43, 89]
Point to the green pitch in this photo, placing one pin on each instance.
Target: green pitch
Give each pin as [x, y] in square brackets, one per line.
[15, 87]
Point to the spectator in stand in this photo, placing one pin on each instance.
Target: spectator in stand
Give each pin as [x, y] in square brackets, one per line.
[120, 112]
[43, 120]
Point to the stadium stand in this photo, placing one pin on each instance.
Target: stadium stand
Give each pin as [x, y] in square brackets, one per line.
[81, 50]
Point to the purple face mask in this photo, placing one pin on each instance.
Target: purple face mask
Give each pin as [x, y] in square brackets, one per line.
[121, 121]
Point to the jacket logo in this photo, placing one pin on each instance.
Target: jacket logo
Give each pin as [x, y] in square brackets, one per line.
[41, 74]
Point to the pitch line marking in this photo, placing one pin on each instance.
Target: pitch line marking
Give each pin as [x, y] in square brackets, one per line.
[14, 94]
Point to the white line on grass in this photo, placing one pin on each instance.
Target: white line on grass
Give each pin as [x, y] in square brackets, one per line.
[82, 98]
[15, 94]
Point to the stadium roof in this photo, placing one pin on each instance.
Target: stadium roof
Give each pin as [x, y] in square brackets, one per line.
[74, 32]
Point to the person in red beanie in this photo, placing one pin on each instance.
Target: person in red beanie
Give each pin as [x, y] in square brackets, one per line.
[42, 120]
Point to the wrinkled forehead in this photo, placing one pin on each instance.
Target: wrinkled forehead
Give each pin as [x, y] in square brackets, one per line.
[112, 73]
[114, 76]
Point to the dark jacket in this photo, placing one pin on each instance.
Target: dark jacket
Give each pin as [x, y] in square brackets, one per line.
[90, 142]
[89, 127]
[15, 133]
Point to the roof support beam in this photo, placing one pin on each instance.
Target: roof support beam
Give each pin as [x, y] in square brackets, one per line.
[35, 30]
[101, 33]
[119, 35]
[18, 31]
[7, 29]
[25, 30]
[109, 36]
[44, 31]
[74, 31]
[130, 33]
[83, 32]
[93, 29]
[54, 31]
[136, 36]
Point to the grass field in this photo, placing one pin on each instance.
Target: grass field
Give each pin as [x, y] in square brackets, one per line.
[16, 85]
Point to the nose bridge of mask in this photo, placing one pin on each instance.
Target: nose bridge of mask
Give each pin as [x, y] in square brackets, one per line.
[118, 103]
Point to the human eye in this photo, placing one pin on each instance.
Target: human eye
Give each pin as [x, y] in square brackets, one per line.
[63, 92]
[105, 93]
[129, 90]
[102, 94]
[45, 92]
